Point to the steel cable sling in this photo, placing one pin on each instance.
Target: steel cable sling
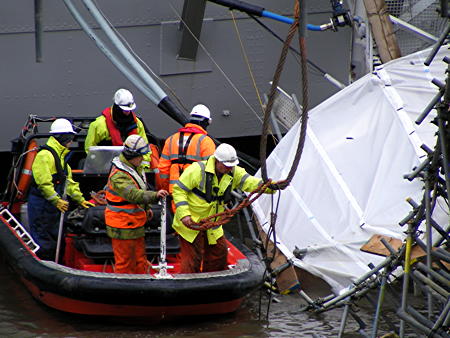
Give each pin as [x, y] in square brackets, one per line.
[282, 184]
[276, 79]
[225, 216]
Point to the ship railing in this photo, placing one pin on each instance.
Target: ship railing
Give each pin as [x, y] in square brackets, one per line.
[20, 230]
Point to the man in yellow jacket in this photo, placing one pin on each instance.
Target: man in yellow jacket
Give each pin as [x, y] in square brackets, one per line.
[201, 191]
[51, 175]
[116, 123]
[128, 204]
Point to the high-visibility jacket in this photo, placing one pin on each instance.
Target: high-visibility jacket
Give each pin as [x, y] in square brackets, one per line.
[199, 194]
[103, 131]
[190, 144]
[44, 169]
[127, 199]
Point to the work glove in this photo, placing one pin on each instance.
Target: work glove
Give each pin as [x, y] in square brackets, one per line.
[62, 205]
[86, 204]
[280, 185]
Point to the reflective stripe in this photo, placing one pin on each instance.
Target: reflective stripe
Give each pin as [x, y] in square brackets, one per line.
[166, 157]
[170, 144]
[203, 180]
[52, 196]
[128, 211]
[181, 203]
[200, 139]
[173, 181]
[243, 180]
[188, 157]
[26, 171]
[164, 175]
[182, 186]
[140, 179]
[112, 192]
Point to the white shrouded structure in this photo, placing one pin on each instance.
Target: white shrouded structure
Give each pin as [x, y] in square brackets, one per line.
[349, 184]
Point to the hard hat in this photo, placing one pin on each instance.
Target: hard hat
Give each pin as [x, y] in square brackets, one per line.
[226, 154]
[200, 110]
[124, 99]
[61, 126]
[135, 146]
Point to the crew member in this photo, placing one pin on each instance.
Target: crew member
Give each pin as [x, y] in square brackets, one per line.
[201, 191]
[116, 123]
[190, 144]
[51, 176]
[128, 206]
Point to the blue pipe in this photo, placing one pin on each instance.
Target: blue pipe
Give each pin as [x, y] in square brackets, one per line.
[287, 20]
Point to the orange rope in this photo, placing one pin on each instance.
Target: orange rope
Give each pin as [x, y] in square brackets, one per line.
[99, 197]
[225, 216]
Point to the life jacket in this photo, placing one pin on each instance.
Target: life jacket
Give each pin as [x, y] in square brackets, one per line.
[59, 178]
[114, 132]
[206, 190]
[120, 213]
[190, 144]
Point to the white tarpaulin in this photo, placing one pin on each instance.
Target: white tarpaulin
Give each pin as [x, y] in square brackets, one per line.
[349, 184]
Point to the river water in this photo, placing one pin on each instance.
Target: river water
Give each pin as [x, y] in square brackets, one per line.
[22, 316]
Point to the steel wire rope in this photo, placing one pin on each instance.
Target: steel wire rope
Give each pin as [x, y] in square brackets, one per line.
[216, 64]
[244, 53]
[125, 42]
[284, 183]
[271, 230]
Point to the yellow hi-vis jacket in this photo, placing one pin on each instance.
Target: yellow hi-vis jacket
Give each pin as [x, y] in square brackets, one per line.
[44, 167]
[98, 132]
[199, 194]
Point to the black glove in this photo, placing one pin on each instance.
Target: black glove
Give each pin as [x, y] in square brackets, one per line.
[274, 186]
[278, 185]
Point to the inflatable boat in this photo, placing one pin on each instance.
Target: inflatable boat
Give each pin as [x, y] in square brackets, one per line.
[82, 279]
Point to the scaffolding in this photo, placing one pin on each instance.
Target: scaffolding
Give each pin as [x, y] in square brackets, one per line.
[428, 271]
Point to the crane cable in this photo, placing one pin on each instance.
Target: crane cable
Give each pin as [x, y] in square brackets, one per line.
[282, 184]
[263, 144]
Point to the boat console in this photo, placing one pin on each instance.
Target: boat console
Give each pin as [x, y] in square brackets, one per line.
[90, 233]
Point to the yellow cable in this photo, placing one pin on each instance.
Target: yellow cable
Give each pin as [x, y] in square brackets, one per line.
[244, 53]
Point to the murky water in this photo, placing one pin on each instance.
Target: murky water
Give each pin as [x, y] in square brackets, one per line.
[21, 316]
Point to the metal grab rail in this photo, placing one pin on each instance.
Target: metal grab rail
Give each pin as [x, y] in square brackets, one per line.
[20, 230]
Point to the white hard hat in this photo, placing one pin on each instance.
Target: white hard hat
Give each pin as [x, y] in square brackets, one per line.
[61, 126]
[135, 146]
[201, 110]
[124, 99]
[226, 154]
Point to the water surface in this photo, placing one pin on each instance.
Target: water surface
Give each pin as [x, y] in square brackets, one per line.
[22, 316]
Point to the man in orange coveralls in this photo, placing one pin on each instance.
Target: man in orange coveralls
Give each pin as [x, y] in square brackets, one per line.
[128, 206]
[188, 145]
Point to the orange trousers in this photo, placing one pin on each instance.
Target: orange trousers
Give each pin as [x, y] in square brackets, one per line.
[130, 256]
[200, 256]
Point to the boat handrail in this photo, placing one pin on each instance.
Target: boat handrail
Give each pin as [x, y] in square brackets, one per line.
[20, 230]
